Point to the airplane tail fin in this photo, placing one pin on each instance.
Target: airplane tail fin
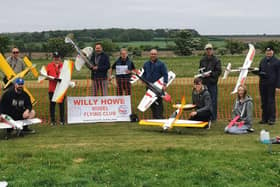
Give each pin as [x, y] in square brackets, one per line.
[43, 73]
[134, 78]
[28, 63]
[227, 71]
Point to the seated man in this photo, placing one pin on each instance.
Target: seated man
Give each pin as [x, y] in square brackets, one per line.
[242, 113]
[201, 98]
[16, 103]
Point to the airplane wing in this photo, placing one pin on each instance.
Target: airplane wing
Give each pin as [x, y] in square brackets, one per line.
[28, 63]
[6, 68]
[134, 78]
[244, 70]
[62, 86]
[5, 126]
[30, 121]
[150, 97]
[9, 73]
[177, 123]
[186, 106]
[159, 83]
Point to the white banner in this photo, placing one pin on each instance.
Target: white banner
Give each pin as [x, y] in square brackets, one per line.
[98, 109]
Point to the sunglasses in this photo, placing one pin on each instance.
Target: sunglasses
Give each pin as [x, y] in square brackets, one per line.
[15, 52]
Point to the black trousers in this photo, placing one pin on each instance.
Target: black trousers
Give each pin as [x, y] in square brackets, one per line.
[202, 116]
[157, 109]
[267, 92]
[123, 85]
[52, 109]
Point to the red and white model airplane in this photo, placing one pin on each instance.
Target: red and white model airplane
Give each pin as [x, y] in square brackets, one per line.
[7, 122]
[63, 82]
[243, 70]
[154, 89]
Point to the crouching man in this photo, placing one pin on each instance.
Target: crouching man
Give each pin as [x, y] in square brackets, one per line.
[202, 99]
[16, 103]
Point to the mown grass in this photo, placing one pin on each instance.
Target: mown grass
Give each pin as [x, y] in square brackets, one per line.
[182, 66]
[125, 154]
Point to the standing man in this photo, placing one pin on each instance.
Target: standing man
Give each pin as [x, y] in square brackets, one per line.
[54, 69]
[15, 62]
[213, 64]
[101, 65]
[153, 70]
[16, 103]
[269, 81]
[123, 67]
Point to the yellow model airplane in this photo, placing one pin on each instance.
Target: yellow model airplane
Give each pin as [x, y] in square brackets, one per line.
[173, 120]
[11, 75]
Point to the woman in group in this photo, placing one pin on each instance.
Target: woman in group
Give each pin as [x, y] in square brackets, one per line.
[242, 113]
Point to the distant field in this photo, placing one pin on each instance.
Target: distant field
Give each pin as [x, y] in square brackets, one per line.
[160, 44]
[182, 66]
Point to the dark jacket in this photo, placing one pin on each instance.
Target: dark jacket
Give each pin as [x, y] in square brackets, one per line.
[202, 100]
[14, 104]
[128, 63]
[211, 63]
[269, 71]
[154, 71]
[244, 110]
[103, 65]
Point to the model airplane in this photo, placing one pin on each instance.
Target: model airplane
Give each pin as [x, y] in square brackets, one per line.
[202, 73]
[7, 122]
[173, 120]
[63, 82]
[154, 90]
[11, 75]
[243, 70]
[84, 55]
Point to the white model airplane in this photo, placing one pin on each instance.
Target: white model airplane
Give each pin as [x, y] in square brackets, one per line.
[7, 122]
[83, 55]
[173, 120]
[154, 90]
[243, 70]
[63, 82]
[202, 73]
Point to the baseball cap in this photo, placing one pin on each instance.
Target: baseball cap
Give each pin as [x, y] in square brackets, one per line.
[56, 54]
[19, 81]
[269, 48]
[208, 46]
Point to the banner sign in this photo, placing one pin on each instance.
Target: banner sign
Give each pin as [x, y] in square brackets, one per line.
[98, 109]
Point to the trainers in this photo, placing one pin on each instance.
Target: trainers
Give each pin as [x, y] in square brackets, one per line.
[53, 123]
[271, 122]
[251, 130]
[61, 123]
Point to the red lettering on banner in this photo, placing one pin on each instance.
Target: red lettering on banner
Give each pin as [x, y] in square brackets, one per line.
[112, 101]
[85, 102]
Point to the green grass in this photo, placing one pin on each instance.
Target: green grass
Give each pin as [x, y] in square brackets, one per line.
[125, 154]
[182, 66]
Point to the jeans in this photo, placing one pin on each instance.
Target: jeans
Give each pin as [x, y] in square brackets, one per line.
[52, 109]
[213, 90]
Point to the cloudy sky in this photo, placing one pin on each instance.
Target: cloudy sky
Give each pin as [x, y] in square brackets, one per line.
[206, 16]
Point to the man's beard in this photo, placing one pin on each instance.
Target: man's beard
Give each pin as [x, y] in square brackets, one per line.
[19, 90]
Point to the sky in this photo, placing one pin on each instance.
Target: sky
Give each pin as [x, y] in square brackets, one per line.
[208, 17]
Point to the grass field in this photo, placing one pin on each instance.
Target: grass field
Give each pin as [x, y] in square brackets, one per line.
[125, 154]
[182, 66]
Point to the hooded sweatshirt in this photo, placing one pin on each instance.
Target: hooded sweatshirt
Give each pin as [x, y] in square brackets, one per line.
[244, 109]
[202, 100]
